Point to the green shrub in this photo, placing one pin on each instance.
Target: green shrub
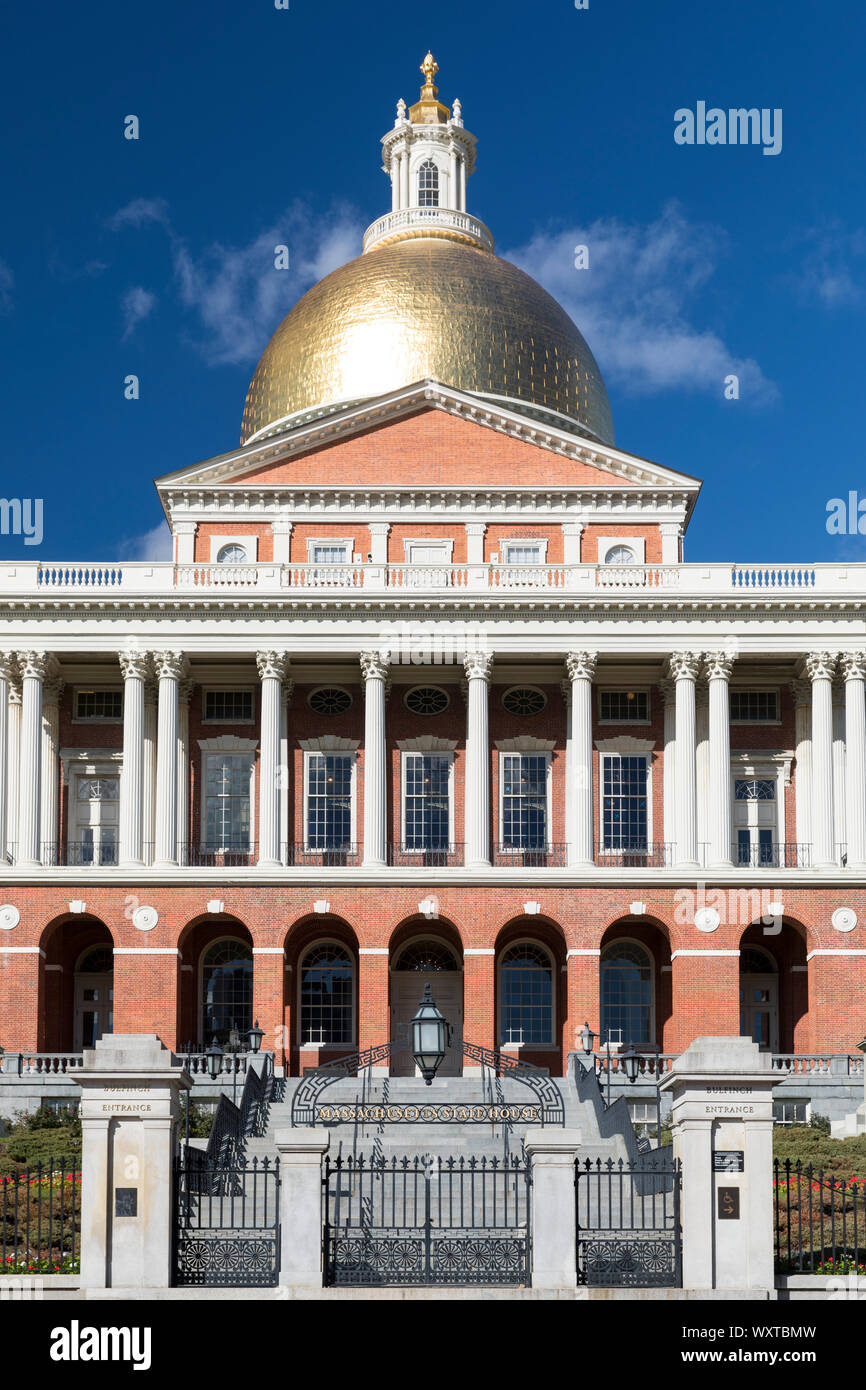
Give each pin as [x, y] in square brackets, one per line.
[47, 1137]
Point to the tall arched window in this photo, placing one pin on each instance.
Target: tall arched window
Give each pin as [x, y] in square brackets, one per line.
[226, 990]
[327, 995]
[626, 994]
[526, 995]
[428, 185]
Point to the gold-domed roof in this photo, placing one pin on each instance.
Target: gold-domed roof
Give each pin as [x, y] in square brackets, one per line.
[427, 307]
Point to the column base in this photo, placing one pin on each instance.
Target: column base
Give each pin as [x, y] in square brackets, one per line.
[373, 863]
[269, 863]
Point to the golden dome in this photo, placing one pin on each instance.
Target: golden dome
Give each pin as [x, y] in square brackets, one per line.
[427, 307]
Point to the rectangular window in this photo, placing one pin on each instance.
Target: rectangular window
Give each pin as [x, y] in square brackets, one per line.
[228, 706]
[624, 802]
[624, 706]
[426, 801]
[99, 704]
[523, 553]
[329, 800]
[93, 820]
[524, 801]
[228, 802]
[754, 706]
[791, 1112]
[330, 553]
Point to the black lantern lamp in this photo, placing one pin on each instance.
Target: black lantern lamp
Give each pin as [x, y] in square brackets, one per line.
[254, 1037]
[630, 1060]
[429, 1037]
[214, 1055]
[587, 1039]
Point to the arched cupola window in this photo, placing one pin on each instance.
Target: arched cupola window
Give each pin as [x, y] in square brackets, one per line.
[428, 185]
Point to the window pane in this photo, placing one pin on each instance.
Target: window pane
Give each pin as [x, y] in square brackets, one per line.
[427, 803]
[329, 801]
[626, 994]
[428, 185]
[227, 990]
[326, 996]
[624, 706]
[624, 802]
[524, 801]
[526, 988]
[227, 803]
[227, 706]
[754, 706]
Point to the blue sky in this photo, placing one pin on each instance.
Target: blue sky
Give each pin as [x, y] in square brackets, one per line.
[259, 125]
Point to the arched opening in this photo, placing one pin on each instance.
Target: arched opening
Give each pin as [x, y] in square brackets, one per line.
[428, 185]
[627, 988]
[226, 991]
[93, 996]
[527, 1012]
[327, 996]
[76, 992]
[414, 960]
[773, 965]
[759, 997]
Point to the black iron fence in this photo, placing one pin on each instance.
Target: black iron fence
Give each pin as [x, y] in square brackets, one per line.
[444, 1221]
[40, 1220]
[628, 1222]
[820, 1221]
[227, 1222]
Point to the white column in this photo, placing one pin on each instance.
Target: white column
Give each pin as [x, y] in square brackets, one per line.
[272, 668]
[49, 816]
[13, 765]
[287, 828]
[170, 668]
[684, 668]
[581, 668]
[184, 533]
[404, 181]
[282, 533]
[135, 667]
[702, 770]
[301, 1153]
[148, 778]
[7, 674]
[552, 1153]
[667, 689]
[379, 531]
[33, 666]
[718, 667]
[801, 692]
[670, 534]
[462, 166]
[565, 687]
[821, 668]
[453, 180]
[840, 833]
[854, 667]
[475, 533]
[375, 673]
[571, 534]
[395, 182]
[478, 667]
[184, 695]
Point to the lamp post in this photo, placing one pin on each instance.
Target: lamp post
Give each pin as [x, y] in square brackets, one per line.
[429, 1037]
[631, 1061]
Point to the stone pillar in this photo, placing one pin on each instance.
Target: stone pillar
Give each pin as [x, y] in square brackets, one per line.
[184, 694]
[374, 1021]
[130, 1088]
[33, 667]
[184, 533]
[718, 668]
[554, 1218]
[722, 1104]
[375, 673]
[379, 532]
[148, 775]
[13, 766]
[684, 669]
[581, 668]
[702, 770]
[801, 693]
[854, 667]
[282, 529]
[840, 831]
[269, 981]
[135, 667]
[565, 689]
[7, 674]
[272, 668]
[821, 668]
[479, 1001]
[478, 667]
[49, 816]
[301, 1205]
[668, 689]
[583, 995]
[671, 534]
[571, 535]
[169, 668]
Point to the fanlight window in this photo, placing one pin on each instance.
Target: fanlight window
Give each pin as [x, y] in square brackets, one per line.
[428, 185]
[427, 699]
[226, 990]
[620, 555]
[327, 996]
[526, 993]
[330, 699]
[755, 962]
[626, 994]
[426, 955]
[99, 960]
[98, 789]
[524, 700]
[232, 554]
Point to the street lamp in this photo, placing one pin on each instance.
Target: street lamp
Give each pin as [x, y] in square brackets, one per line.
[254, 1037]
[429, 1037]
[587, 1038]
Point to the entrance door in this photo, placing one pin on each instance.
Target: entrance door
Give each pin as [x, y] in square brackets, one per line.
[94, 998]
[428, 962]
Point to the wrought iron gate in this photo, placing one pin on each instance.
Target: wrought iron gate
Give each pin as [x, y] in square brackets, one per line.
[227, 1223]
[628, 1222]
[425, 1221]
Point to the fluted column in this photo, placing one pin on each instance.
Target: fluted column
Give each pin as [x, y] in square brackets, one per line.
[478, 667]
[272, 668]
[184, 695]
[718, 666]
[801, 692]
[668, 690]
[170, 667]
[49, 815]
[7, 675]
[702, 768]
[13, 766]
[287, 829]
[840, 833]
[375, 673]
[135, 668]
[854, 668]
[148, 777]
[565, 687]
[581, 667]
[821, 668]
[453, 184]
[404, 179]
[684, 667]
[33, 666]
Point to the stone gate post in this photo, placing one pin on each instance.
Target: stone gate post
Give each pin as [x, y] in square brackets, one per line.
[301, 1205]
[722, 1118]
[554, 1215]
[130, 1088]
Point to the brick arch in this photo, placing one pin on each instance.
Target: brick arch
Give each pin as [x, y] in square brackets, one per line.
[417, 925]
[788, 948]
[548, 933]
[63, 940]
[301, 935]
[194, 939]
[654, 936]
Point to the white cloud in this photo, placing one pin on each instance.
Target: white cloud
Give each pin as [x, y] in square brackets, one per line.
[833, 269]
[151, 545]
[137, 303]
[7, 280]
[634, 304]
[138, 212]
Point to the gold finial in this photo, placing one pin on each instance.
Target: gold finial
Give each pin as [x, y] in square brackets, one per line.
[429, 67]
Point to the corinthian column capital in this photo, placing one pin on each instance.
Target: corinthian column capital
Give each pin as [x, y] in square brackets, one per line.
[8, 667]
[170, 664]
[718, 665]
[273, 665]
[853, 665]
[134, 665]
[820, 665]
[478, 665]
[373, 666]
[581, 665]
[684, 666]
[33, 664]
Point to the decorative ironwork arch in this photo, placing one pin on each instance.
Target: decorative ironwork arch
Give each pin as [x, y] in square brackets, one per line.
[547, 1109]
